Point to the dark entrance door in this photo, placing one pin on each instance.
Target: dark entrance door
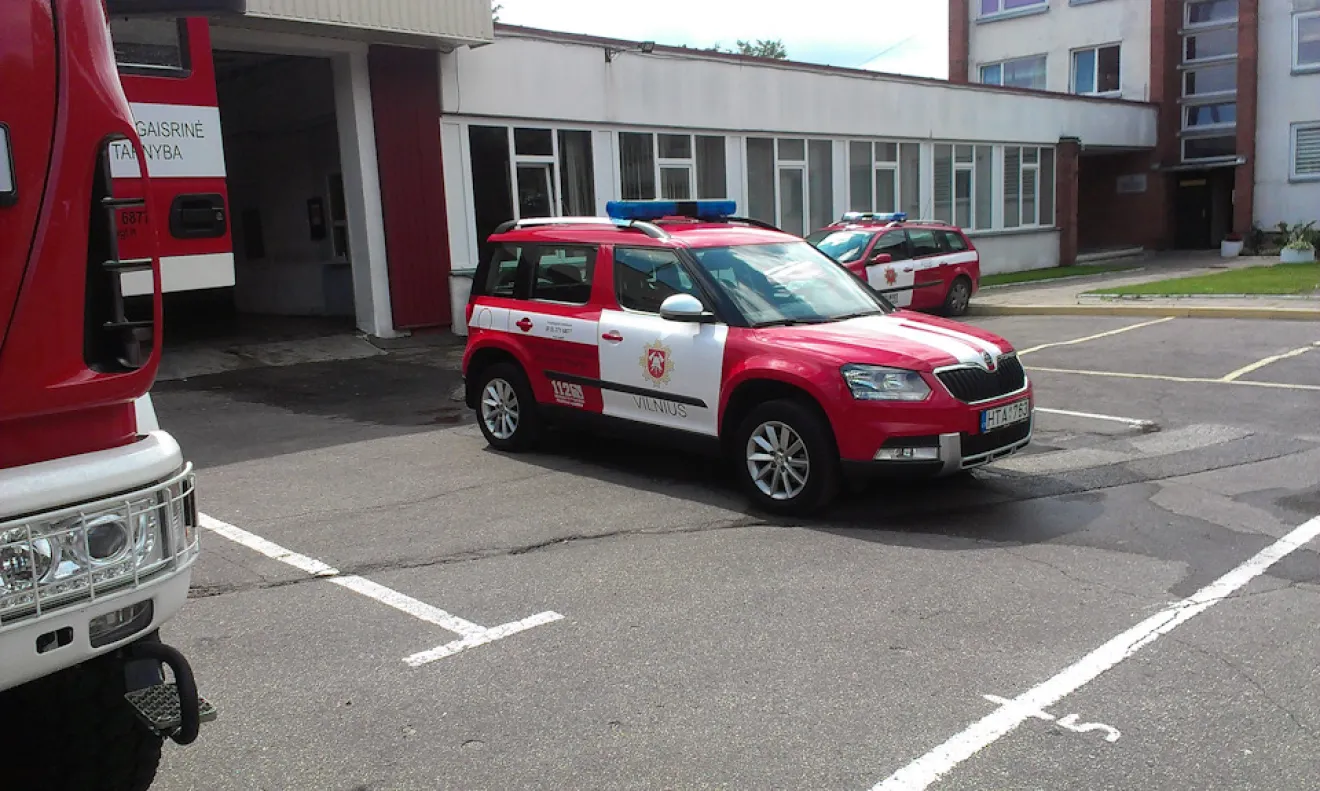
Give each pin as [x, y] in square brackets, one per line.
[1193, 222]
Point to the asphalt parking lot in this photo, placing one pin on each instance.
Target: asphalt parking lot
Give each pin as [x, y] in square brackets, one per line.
[384, 603]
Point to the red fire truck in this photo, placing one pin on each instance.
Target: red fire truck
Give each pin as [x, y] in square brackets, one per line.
[98, 518]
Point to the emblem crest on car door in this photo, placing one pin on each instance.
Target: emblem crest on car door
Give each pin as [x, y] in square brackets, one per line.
[657, 364]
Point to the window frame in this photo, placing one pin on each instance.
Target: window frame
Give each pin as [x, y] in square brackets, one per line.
[957, 166]
[892, 167]
[1038, 223]
[1293, 136]
[1182, 148]
[1195, 129]
[1211, 59]
[1188, 24]
[1297, 66]
[1094, 51]
[1000, 64]
[658, 164]
[1034, 7]
[181, 72]
[1209, 97]
[779, 164]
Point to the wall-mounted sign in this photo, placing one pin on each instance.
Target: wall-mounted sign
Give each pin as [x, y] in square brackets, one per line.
[1133, 183]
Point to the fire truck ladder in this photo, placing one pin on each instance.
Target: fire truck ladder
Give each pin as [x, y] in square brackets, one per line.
[137, 331]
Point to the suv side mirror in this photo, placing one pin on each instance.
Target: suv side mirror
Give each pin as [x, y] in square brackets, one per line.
[685, 308]
[882, 258]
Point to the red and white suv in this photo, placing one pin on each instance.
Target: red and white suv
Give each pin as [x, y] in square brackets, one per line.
[678, 320]
[915, 264]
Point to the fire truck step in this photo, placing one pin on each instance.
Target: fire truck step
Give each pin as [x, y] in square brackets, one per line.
[127, 264]
[158, 707]
[123, 203]
[128, 325]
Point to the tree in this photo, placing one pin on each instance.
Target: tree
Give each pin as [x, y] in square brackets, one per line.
[495, 9]
[761, 48]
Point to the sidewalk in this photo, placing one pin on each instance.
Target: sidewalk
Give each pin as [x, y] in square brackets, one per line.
[1067, 297]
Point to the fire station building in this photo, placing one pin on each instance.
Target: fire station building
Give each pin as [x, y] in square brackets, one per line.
[370, 148]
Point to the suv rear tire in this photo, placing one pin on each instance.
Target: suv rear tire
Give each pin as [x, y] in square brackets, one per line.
[785, 458]
[74, 731]
[959, 297]
[506, 409]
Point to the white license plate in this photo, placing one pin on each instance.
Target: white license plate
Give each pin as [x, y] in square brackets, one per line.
[1006, 415]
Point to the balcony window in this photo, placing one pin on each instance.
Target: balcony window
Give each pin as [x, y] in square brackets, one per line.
[1212, 79]
[1020, 73]
[991, 8]
[1209, 147]
[1096, 71]
[1211, 12]
[1306, 41]
[1199, 116]
[1211, 44]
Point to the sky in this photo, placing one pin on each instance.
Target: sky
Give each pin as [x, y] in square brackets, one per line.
[900, 36]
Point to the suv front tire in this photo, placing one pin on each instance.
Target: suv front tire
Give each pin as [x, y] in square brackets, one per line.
[785, 458]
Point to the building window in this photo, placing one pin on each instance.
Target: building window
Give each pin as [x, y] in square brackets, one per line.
[790, 182]
[150, 46]
[1095, 70]
[884, 177]
[1222, 147]
[1028, 186]
[963, 185]
[991, 8]
[1306, 151]
[1200, 116]
[1020, 73]
[1211, 12]
[686, 167]
[1210, 45]
[1306, 41]
[1210, 80]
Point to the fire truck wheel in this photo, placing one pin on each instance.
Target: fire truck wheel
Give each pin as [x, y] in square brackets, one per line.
[506, 409]
[77, 732]
[785, 458]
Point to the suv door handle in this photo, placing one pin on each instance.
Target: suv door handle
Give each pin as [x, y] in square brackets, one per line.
[612, 336]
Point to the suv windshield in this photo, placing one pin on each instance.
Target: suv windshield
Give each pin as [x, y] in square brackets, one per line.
[842, 246]
[786, 283]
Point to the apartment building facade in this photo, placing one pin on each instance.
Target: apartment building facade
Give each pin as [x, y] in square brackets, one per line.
[1237, 84]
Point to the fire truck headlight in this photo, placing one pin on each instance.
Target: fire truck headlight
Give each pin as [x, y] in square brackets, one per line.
[26, 559]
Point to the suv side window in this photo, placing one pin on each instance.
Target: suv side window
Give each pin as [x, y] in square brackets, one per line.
[563, 273]
[923, 243]
[953, 242]
[501, 278]
[894, 243]
[646, 277]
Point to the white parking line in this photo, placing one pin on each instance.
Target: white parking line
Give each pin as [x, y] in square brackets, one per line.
[930, 767]
[472, 634]
[1131, 421]
[1256, 366]
[1184, 379]
[1097, 336]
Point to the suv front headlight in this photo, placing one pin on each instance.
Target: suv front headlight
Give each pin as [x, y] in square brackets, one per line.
[880, 383]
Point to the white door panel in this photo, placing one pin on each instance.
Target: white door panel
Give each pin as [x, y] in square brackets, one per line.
[893, 275]
[665, 373]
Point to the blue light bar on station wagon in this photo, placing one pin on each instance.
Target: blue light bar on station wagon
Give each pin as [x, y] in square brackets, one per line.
[856, 216]
[657, 209]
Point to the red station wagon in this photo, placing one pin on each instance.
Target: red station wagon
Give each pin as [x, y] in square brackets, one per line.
[920, 265]
[679, 320]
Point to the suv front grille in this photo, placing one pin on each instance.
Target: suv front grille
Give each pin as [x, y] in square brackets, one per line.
[975, 384]
[977, 444]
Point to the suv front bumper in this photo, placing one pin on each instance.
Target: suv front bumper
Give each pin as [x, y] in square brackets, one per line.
[952, 453]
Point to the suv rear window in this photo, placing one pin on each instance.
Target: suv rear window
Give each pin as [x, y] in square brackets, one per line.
[502, 276]
[563, 274]
[953, 242]
[923, 243]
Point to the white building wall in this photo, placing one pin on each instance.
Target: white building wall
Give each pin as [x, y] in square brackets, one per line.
[1057, 28]
[1284, 98]
[449, 21]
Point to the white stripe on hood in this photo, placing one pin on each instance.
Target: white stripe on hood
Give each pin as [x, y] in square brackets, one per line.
[980, 343]
[887, 325]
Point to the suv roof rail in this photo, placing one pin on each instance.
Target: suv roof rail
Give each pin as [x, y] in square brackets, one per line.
[653, 231]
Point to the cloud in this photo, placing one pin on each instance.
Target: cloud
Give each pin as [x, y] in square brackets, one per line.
[900, 36]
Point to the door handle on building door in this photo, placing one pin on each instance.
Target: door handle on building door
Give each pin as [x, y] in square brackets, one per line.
[612, 336]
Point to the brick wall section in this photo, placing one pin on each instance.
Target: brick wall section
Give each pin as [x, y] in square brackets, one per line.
[1165, 88]
[1065, 191]
[959, 41]
[1248, 58]
[1107, 218]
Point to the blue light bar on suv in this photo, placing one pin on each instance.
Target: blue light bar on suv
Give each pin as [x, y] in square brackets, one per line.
[893, 216]
[656, 209]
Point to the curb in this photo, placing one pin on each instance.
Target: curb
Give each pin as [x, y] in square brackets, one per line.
[1196, 312]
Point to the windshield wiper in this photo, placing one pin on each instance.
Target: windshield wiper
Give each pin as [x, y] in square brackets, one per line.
[786, 323]
[859, 314]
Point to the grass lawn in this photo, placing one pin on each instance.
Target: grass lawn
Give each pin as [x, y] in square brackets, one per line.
[1277, 279]
[1052, 273]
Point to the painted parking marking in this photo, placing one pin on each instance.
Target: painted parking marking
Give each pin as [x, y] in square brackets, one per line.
[1179, 440]
[935, 764]
[1097, 336]
[470, 634]
[1259, 364]
[1144, 425]
[1069, 722]
[1180, 379]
